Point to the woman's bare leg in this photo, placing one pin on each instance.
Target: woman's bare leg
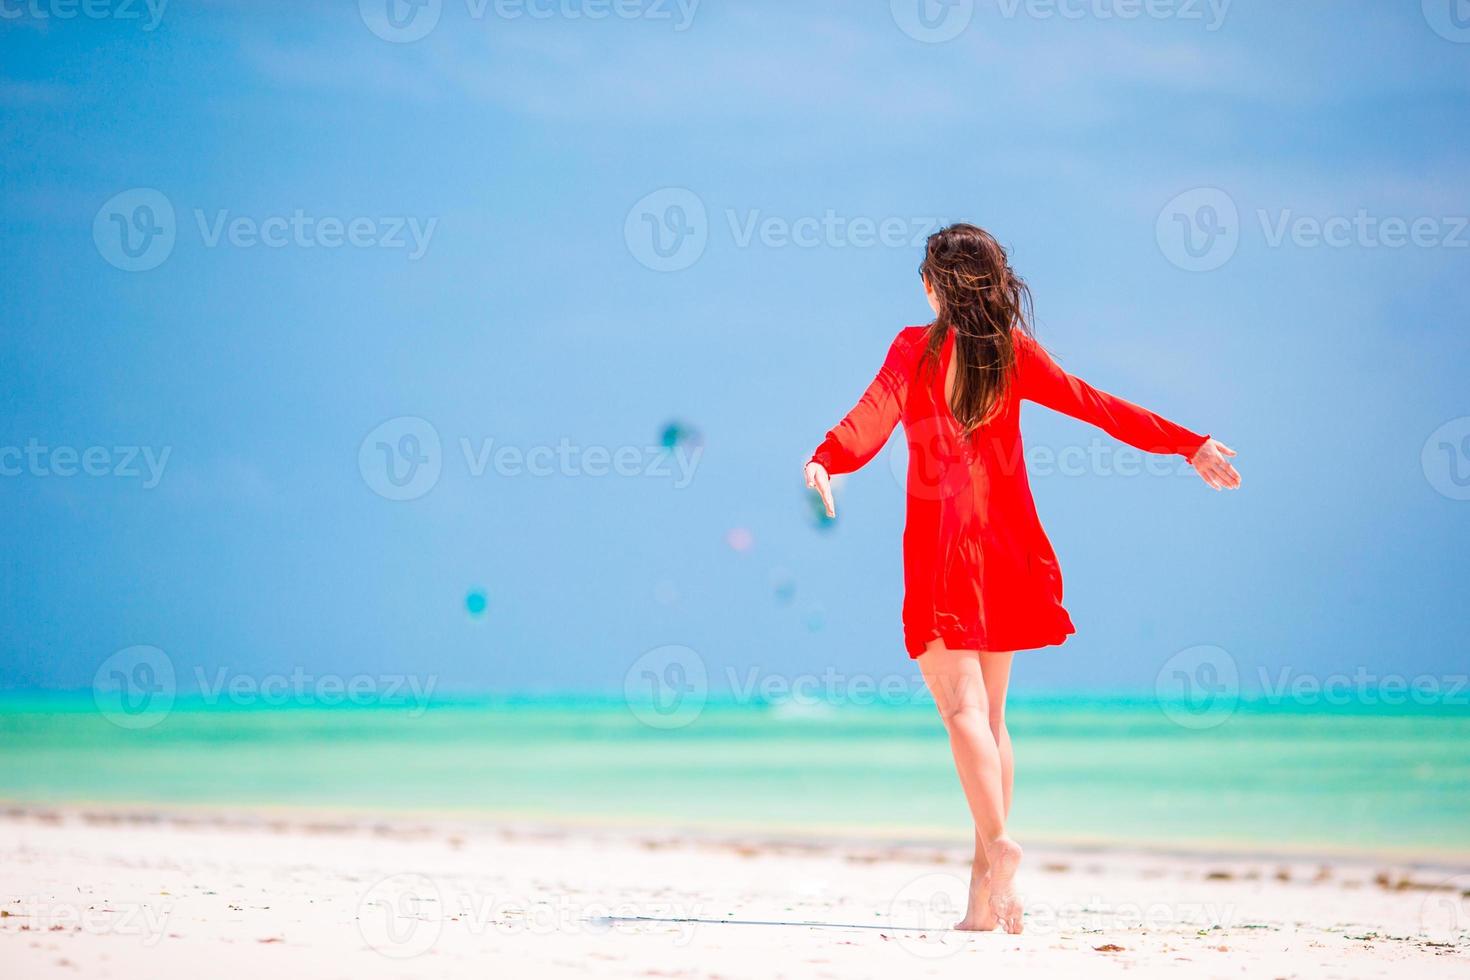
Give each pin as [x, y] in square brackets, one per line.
[996, 671]
[957, 682]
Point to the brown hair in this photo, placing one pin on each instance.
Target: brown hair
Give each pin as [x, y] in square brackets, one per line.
[983, 302]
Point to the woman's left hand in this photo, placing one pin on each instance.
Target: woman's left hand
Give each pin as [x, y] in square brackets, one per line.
[1210, 462]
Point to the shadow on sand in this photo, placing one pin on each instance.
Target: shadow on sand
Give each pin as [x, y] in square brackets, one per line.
[612, 920]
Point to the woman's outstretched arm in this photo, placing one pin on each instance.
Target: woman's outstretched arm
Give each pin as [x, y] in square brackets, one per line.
[863, 431]
[1042, 381]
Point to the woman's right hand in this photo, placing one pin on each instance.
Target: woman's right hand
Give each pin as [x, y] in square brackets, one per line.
[818, 480]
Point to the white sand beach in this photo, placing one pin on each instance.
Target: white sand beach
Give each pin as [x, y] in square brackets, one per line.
[106, 892]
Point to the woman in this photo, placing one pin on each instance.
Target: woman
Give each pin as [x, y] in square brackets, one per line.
[980, 578]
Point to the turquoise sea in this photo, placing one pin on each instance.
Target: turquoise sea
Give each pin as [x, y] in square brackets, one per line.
[1119, 771]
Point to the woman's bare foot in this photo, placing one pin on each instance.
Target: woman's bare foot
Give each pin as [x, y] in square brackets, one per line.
[1004, 857]
[978, 916]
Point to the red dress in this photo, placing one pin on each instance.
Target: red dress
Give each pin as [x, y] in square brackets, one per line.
[979, 572]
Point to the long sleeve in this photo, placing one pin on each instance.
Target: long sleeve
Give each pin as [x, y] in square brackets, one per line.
[863, 431]
[1042, 381]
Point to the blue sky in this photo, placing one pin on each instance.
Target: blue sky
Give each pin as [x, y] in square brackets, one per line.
[526, 312]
